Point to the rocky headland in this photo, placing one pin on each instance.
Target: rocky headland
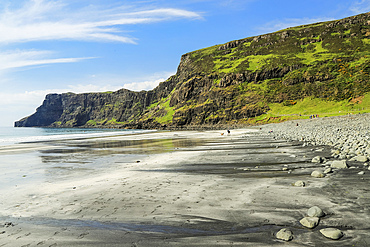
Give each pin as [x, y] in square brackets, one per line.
[233, 83]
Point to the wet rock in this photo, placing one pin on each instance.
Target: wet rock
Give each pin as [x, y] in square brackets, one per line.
[332, 233]
[299, 184]
[310, 222]
[340, 164]
[317, 174]
[315, 211]
[361, 173]
[284, 234]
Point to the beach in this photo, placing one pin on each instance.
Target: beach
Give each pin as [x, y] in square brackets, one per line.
[177, 188]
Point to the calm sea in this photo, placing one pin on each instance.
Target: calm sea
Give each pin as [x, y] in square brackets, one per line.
[11, 135]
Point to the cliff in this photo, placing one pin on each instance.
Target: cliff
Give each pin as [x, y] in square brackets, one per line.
[232, 82]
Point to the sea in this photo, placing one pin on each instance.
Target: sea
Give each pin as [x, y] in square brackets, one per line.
[12, 135]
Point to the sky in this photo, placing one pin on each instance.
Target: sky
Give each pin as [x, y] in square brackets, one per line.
[57, 46]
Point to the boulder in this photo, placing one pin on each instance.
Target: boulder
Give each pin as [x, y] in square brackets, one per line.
[317, 174]
[332, 233]
[299, 184]
[315, 211]
[310, 222]
[284, 234]
[340, 164]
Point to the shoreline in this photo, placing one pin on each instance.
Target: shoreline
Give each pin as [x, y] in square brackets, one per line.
[183, 188]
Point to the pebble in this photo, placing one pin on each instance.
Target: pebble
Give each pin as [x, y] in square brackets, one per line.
[284, 234]
[347, 135]
[310, 222]
[317, 174]
[332, 233]
[340, 164]
[315, 211]
[361, 173]
[299, 184]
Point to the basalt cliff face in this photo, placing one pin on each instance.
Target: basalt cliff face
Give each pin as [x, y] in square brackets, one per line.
[231, 83]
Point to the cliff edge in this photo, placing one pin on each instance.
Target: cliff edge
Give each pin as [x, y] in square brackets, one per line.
[231, 83]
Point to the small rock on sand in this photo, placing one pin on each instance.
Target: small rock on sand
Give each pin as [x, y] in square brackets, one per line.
[317, 159]
[340, 164]
[315, 211]
[361, 158]
[299, 184]
[310, 222]
[317, 174]
[332, 233]
[284, 234]
[328, 170]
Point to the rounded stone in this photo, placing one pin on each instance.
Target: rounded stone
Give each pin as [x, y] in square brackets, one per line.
[340, 164]
[299, 184]
[310, 222]
[315, 211]
[317, 174]
[332, 233]
[284, 234]
[361, 173]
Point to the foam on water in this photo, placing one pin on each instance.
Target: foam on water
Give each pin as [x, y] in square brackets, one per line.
[9, 135]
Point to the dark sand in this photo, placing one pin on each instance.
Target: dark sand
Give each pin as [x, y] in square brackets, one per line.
[176, 189]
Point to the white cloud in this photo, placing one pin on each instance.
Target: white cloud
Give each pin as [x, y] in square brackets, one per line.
[360, 7]
[24, 58]
[285, 23]
[40, 20]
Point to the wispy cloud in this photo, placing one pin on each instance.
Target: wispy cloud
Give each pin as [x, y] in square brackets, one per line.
[359, 7]
[40, 20]
[285, 23]
[21, 58]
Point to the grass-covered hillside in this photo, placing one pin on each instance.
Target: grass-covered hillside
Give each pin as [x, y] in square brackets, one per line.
[322, 68]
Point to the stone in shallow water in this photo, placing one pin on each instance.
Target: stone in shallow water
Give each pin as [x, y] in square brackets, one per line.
[361, 173]
[317, 174]
[340, 164]
[315, 211]
[332, 233]
[310, 222]
[284, 234]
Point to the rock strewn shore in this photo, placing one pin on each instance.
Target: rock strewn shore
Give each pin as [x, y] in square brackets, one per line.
[348, 135]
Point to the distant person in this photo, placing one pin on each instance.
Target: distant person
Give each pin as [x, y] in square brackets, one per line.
[228, 132]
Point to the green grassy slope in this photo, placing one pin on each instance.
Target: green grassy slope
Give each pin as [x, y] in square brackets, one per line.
[322, 68]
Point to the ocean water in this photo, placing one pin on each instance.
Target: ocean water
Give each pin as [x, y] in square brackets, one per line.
[11, 135]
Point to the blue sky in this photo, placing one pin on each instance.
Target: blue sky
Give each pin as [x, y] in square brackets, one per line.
[55, 46]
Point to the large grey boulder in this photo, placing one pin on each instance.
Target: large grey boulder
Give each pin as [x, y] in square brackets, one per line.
[340, 164]
[315, 211]
[332, 233]
[284, 234]
[310, 222]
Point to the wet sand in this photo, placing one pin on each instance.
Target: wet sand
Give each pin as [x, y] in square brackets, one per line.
[175, 189]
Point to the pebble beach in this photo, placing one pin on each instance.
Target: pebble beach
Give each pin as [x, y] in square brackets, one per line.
[297, 183]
